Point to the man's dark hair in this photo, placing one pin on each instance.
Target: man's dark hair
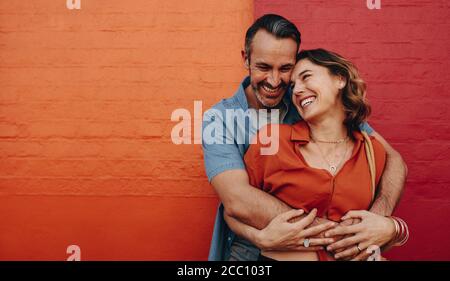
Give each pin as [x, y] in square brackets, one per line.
[274, 24]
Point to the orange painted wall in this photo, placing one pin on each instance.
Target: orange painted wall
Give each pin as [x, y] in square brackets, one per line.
[86, 98]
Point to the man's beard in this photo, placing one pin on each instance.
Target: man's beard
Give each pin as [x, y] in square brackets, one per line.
[282, 87]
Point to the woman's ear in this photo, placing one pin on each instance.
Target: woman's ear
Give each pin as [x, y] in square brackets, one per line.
[342, 81]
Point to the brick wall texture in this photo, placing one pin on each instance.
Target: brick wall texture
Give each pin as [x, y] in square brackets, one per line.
[402, 51]
[85, 123]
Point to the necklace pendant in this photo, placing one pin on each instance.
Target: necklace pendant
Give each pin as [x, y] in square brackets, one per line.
[333, 169]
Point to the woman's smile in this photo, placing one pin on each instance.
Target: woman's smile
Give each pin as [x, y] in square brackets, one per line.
[307, 101]
[303, 102]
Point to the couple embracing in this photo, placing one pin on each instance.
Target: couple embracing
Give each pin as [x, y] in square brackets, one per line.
[329, 190]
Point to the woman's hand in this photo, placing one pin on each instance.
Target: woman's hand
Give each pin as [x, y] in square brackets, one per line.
[372, 230]
[281, 234]
[346, 222]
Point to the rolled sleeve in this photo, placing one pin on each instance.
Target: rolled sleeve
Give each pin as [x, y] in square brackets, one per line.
[220, 154]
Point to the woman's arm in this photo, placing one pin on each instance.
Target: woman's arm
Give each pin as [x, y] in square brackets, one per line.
[284, 232]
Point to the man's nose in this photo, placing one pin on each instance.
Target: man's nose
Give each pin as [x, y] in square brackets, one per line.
[274, 79]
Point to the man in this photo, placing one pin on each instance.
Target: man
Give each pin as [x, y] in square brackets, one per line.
[271, 45]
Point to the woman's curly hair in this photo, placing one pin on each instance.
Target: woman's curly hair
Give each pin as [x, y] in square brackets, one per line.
[354, 100]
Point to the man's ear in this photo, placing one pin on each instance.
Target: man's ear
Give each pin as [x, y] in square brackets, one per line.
[245, 58]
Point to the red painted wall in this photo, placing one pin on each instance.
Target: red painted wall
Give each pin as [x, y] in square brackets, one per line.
[403, 52]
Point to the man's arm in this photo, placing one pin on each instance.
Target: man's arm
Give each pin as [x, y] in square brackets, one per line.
[227, 173]
[244, 202]
[257, 208]
[286, 231]
[392, 181]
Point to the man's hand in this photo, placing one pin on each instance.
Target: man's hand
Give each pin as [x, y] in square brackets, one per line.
[319, 221]
[372, 230]
[346, 222]
[282, 234]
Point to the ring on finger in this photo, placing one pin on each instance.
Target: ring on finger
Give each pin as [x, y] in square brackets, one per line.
[306, 242]
[359, 249]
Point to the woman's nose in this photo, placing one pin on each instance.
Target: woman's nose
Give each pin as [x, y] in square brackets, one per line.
[298, 89]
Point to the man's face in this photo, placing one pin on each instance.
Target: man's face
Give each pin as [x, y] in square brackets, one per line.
[270, 66]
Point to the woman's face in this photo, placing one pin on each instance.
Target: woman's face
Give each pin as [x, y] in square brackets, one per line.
[315, 90]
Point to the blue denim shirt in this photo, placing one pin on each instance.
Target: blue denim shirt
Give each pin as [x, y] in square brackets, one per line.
[221, 157]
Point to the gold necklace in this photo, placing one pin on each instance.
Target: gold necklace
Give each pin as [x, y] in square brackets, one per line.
[333, 168]
[333, 141]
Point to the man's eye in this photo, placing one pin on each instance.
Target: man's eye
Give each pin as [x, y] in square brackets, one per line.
[287, 69]
[263, 68]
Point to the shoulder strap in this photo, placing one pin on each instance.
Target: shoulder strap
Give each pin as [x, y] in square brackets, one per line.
[371, 161]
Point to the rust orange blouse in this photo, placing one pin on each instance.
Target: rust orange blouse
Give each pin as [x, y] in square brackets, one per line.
[287, 176]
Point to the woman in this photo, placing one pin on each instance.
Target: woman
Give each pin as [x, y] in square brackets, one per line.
[322, 166]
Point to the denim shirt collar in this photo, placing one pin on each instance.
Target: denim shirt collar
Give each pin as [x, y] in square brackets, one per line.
[240, 94]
